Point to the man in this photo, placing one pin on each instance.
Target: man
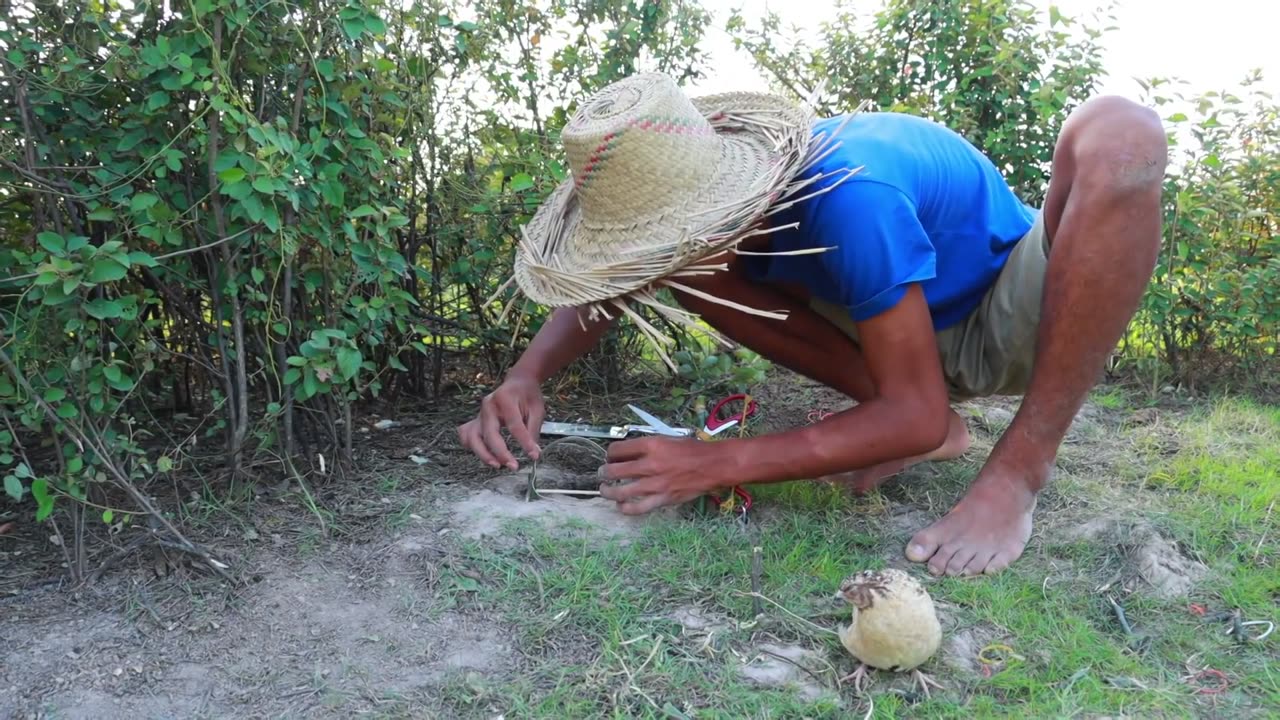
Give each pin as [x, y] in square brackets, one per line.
[892, 263]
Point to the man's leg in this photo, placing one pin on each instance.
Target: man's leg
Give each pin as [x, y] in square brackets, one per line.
[1102, 214]
[808, 344]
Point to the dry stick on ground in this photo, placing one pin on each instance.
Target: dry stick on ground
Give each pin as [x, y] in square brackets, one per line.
[82, 440]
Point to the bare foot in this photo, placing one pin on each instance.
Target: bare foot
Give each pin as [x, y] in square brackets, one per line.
[862, 482]
[985, 532]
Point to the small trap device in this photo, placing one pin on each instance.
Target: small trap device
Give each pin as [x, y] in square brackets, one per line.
[535, 489]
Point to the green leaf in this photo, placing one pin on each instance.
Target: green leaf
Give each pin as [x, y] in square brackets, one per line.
[138, 257]
[157, 100]
[104, 309]
[75, 465]
[257, 274]
[130, 141]
[13, 487]
[105, 270]
[44, 501]
[103, 214]
[296, 361]
[108, 516]
[292, 376]
[231, 176]
[349, 360]
[264, 185]
[271, 217]
[143, 202]
[66, 411]
[444, 21]
[375, 25]
[353, 28]
[310, 385]
[53, 395]
[164, 464]
[363, 211]
[395, 363]
[467, 26]
[252, 208]
[521, 182]
[53, 242]
[46, 278]
[112, 373]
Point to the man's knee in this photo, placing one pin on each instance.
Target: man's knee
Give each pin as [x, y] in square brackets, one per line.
[1117, 149]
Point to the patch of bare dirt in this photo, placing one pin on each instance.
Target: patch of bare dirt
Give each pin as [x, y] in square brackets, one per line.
[788, 666]
[1152, 563]
[336, 636]
[977, 651]
[485, 512]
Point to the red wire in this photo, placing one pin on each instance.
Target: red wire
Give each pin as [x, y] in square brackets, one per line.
[1221, 687]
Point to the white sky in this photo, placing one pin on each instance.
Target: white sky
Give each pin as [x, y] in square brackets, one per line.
[1211, 45]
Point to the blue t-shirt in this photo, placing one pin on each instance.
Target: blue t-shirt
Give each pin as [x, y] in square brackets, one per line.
[926, 208]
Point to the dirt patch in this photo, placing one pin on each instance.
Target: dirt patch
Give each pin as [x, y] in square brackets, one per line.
[698, 621]
[1168, 572]
[788, 667]
[976, 652]
[1152, 563]
[486, 512]
[342, 635]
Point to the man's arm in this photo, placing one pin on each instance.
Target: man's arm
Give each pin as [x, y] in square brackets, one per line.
[907, 416]
[517, 403]
[561, 340]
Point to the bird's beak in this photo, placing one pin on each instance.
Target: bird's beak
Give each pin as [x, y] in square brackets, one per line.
[839, 597]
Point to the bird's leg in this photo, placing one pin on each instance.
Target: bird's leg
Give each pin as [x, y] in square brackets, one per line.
[924, 681]
[860, 677]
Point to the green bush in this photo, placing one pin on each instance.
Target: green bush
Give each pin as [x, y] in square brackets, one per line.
[256, 214]
[1214, 304]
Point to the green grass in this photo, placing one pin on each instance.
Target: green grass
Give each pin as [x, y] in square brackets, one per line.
[591, 617]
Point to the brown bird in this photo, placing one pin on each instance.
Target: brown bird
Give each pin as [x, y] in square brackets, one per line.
[894, 628]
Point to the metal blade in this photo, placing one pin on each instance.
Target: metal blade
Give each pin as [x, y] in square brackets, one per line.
[657, 424]
[668, 432]
[583, 430]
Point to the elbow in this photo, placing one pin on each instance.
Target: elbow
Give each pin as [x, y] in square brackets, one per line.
[927, 425]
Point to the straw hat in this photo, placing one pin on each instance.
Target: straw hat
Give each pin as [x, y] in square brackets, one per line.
[660, 183]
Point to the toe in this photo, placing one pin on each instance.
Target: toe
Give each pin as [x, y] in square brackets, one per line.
[942, 558]
[1001, 561]
[923, 546]
[978, 564]
[959, 561]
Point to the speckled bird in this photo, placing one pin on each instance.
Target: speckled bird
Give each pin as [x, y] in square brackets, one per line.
[894, 628]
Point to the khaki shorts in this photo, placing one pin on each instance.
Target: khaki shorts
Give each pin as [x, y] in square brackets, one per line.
[990, 352]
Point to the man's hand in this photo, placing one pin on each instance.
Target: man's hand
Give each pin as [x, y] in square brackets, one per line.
[516, 405]
[661, 471]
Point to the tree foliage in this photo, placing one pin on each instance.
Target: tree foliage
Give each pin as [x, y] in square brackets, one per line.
[249, 215]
